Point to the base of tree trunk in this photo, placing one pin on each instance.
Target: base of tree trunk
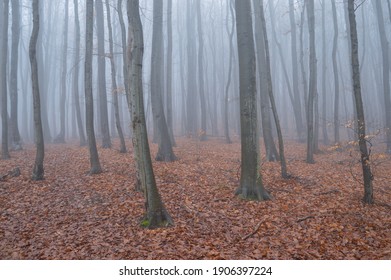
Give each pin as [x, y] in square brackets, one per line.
[157, 219]
[166, 157]
[122, 150]
[38, 173]
[251, 194]
[95, 170]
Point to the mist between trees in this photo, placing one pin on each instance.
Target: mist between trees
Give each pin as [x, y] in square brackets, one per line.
[199, 69]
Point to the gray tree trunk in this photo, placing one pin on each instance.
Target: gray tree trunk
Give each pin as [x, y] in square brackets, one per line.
[169, 73]
[60, 138]
[191, 101]
[324, 70]
[165, 151]
[284, 171]
[76, 76]
[94, 157]
[312, 82]
[38, 171]
[104, 116]
[114, 86]
[335, 71]
[386, 71]
[228, 84]
[251, 186]
[271, 151]
[156, 214]
[201, 86]
[3, 73]
[365, 160]
[15, 135]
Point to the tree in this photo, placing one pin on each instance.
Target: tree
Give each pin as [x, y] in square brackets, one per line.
[165, 151]
[15, 135]
[386, 71]
[271, 151]
[60, 138]
[114, 87]
[75, 88]
[284, 171]
[312, 82]
[201, 87]
[365, 160]
[156, 214]
[94, 157]
[103, 113]
[3, 73]
[335, 71]
[251, 186]
[38, 170]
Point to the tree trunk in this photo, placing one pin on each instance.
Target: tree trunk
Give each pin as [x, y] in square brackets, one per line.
[227, 86]
[335, 71]
[76, 76]
[365, 160]
[251, 186]
[312, 82]
[38, 171]
[114, 86]
[284, 171]
[104, 116]
[15, 135]
[271, 151]
[165, 151]
[386, 72]
[324, 70]
[169, 73]
[201, 87]
[156, 214]
[94, 157]
[61, 136]
[3, 72]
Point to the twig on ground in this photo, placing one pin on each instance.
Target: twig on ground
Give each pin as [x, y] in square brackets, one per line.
[254, 231]
[305, 218]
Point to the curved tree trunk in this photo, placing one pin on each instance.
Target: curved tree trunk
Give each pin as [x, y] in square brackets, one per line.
[156, 214]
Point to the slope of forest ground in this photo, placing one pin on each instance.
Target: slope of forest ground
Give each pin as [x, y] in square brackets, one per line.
[317, 214]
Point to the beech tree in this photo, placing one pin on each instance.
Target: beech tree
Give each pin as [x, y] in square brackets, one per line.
[38, 170]
[94, 157]
[156, 214]
[251, 186]
[365, 160]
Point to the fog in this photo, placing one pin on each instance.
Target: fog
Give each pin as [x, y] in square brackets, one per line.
[197, 101]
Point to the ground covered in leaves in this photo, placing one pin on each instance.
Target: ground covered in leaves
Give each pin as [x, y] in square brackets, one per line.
[317, 214]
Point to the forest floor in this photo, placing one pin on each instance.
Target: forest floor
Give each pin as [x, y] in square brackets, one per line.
[317, 214]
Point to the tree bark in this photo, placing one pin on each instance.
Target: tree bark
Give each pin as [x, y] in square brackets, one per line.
[3, 72]
[251, 186]
[312, 82]
[114, 86]
[335, 71]
[76, 76]
[365, 160]
[15, 135]
[156, 214]
[94, 157]
[38, 170]
[165, 151]
[104, 116]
